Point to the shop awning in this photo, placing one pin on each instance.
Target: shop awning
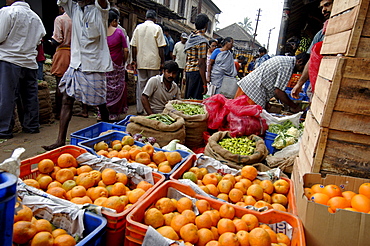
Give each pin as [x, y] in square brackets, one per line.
[161, 10]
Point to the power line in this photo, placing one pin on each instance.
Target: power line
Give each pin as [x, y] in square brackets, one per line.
[255, 30]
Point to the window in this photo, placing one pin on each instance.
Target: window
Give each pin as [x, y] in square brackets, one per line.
[194, 12]
[181, 7]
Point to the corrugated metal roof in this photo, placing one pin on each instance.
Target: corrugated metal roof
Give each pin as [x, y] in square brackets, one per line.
[237, 33]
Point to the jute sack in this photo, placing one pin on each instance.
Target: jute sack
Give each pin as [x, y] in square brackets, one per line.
[161, 132]
[46, 115]
[195, 125]
[214, 150]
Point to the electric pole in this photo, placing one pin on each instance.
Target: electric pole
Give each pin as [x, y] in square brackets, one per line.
[255, 30]
[268, 40]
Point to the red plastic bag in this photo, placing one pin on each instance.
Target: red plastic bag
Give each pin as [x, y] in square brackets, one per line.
[246, 125]
[240, 106]
[216, 109]
[314, 65]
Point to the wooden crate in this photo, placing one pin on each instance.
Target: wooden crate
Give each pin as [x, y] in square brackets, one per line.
[331, 151]
[348, 30]
[342, 94]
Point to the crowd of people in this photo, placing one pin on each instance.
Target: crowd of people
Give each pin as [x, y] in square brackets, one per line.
[93, 51]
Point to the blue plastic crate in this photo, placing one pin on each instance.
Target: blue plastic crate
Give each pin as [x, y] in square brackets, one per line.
[94, 230]
[89, 146]
[269, 139]
[125, 121]
[8, 191]
[94, 131]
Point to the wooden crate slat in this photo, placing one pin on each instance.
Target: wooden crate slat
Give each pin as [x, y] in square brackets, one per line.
[366, 28]
[322, 88]
[342, 22]
[317, 108]
[327, 67]
[305, 162]
[336, 43]
[357, 69]
[363, 50]
[341, 6]
[310, 135]
[350, 122]
[359, 139]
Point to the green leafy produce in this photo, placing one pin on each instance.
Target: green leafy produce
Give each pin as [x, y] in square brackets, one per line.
[280, 128]
[288, 134]
[189, 109]
[164, 118]
[239, 146]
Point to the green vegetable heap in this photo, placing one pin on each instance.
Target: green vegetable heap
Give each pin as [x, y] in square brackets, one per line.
[189, 109]
[164, 118]
[288, 134]
[239, 146]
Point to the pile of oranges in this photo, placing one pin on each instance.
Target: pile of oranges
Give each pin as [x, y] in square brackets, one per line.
[81, 185]
[175, 219]
[161, 160]
[31, 231]
[244, 189]
[333, 196]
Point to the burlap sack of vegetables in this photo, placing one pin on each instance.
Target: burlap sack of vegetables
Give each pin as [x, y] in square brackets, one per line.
[162, 132]
[214, 150]
[195, 121]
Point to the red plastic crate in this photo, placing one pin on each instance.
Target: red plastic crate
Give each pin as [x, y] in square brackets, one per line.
[292, 207]
[136, 230]
[116, 222]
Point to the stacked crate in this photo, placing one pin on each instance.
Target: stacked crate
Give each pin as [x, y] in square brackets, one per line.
[336, 138]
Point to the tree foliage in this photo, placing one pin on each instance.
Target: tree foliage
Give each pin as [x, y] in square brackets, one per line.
[246, 24]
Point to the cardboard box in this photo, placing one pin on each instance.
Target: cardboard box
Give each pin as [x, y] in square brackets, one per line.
[327, 229]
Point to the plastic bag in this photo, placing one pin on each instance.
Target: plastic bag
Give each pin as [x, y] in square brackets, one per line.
[246, 125]
[295, 118]
[240, 106]
[314, 65]
[216, 109]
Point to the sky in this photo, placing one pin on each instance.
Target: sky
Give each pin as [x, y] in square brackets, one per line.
[234, 11]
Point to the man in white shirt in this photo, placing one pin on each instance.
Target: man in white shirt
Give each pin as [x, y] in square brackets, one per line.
[21, 31]
[179, 56]
[147, 53]
[160, 89]
[90, 59]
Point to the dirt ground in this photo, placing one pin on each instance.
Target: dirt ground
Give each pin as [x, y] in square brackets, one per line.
[48, 134]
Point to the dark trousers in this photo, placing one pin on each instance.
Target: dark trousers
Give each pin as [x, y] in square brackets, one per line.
[179, 77]
[18, 83]
[194, 86]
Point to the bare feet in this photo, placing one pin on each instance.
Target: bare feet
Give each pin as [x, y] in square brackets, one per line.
[53, 146]
[82, 115]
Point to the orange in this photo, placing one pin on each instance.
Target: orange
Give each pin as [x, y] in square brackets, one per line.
[223, 196]
[166, 168]
[320, 198]
[214, 230]
[159, 157]
[168, 232]
[205, 189]
[56, 169]
[133, 152]
[66, 160]
[259, 237]
[74, 170]
[189, 233]
[42, 175]
[84, 169]
[213, 243]
[118, 189]
[78, 191]
[100, 201]
[225, 225]
[308, 192]
[210, 178]
[58, 232]
[256, 191]
[361, 203]
[264, 226]
[112, 153]
[243, 237]
[98, 192]
[68, 195]
[115, 202]
[273, 235]
[228, 239]
[184, 203]
[173, 157]
[279, 198]
[165, 205]
[32, 182]
[241, 186]
[227, 211]
[267, 186]
[135, 195]
[212, 189]
[205, 235]
[249, 172]
[202, 205]
[267, 198]
[178, 221]
[235, 195]
[63, 175]
[189, 215]
[246, 182]
[121, 177]
[81, 200]
[249, 200]
[278, 206]
[225, 185]
[123, 154]
[46, 166]
[261, 204]
[56, 184]
[102, 152]
[148, 148]
[58, 192]
[203, 221]
[364, 189]
[143, 158]
[145, 185]
[251, 221]
[43, 225]
[24, 214]
[109, 176]
[282, 238]
[44, 181]
[338, 202]
[332, 190]
[317, 188]
[229, 177]
[240, 224]
[42, 238]
[23, 231]
[168, 218]
[64, 240]
[281, 186]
